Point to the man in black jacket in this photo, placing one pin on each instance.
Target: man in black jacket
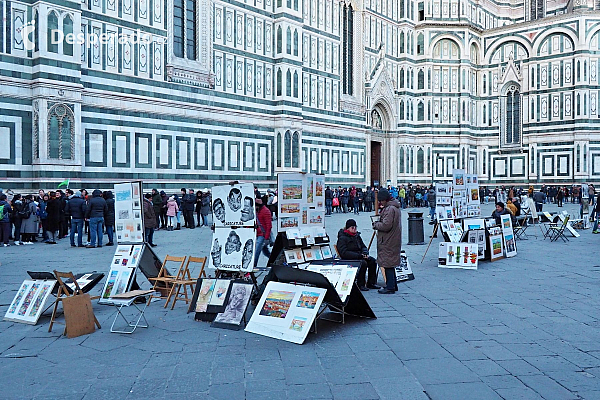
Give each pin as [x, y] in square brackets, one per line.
[188, 202]
[76, 207]
[95, 212]
[350, 246]
[328, 201]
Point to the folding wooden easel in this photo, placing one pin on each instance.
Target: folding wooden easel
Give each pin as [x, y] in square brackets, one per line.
[163, 283]
[63, 293]
[184, 279]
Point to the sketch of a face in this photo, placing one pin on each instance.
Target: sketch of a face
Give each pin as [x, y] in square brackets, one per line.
[235, 309]
[234, 199]
[219, 210]
[248, 210]
[216, 253]
[233, 243]
[247, 253]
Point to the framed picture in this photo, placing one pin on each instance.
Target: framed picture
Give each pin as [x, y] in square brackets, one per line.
[233, 205]
[326, 250]
[473, 223]
[28, 304]
[232, 249]
[309, 254]
[496, 247]
[235, 310]
[290, 257]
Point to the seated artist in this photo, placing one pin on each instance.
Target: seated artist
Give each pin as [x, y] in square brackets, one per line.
[501, 210]
[350, 246]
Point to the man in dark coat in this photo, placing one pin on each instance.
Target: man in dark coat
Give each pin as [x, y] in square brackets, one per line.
[389, 239]
[95, 212]
[76, 207]
[157, 203]
[149, 219]
[109, 216]
[53, 219]
[188, 205]
[328, 201]
[350, 246]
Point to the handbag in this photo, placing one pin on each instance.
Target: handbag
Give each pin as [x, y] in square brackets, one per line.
[335, 202]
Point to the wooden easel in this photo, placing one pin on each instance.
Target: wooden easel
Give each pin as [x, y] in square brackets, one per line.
[433, 235]
[63, 293]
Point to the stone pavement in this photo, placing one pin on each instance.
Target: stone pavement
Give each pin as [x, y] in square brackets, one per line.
[520, 328]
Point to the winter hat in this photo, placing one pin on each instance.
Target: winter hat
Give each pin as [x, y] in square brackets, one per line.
[350, 223]
[258, 202]
[383, 195]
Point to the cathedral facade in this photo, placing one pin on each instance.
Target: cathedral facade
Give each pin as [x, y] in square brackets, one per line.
[195, 92]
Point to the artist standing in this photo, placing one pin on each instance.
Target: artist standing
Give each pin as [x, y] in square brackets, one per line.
[389, 239]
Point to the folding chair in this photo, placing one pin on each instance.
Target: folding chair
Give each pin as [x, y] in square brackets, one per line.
[558, 231]
[163, 283]
[184, 279]
[63, 293]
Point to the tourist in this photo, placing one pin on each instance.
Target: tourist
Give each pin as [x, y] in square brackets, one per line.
[539, 198]
[43, 215]
[76, 206]
[596, 215]
[431, 199]
[355, 200]
[198, 208]
[29, 221]
[109, 216]
[172, 210]
[95, 212]
[350, 246]
[205, 209]
[328, 201]
[150, 221]
[163, 209]
[263, 233]
[559, 197]
[345, 196]
[16, 218]
[53, 218]
[5, 211]
[157, 204]
[389, 239]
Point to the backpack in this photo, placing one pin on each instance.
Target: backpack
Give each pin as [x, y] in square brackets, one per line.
[1, 212]
[25, 212]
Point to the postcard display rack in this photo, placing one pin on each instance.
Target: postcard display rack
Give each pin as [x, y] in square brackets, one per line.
[223, 300]
[459, 200]
[129, 232]
[301, 223]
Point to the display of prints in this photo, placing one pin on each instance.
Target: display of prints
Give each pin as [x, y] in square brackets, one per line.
[477, 236]
[443, 189]
[129, 221]
[118, 281]
[233, 205]
[301, 202]
[236, 305]
[461, 255]
[443, 200]
[510, 244]
[475, 223]
[232, 249]
[340, 276]
[458, 179]
[496, 247]
[206, 290]
[444, 212]
[286, 311]
[28, 304]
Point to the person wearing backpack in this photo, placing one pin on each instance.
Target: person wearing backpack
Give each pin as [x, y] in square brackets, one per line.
[29, 224]
[18, 213]
[5, 211]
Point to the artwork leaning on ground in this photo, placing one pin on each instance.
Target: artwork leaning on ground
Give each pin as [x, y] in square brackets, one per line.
[286, 311]
[29, 302]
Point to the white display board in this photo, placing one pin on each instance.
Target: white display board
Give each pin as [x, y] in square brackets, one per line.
[510, 243]
[129, 213]
[460, 255]
[233, 205]
[122, 271]
[340, 276]
[301, 200]
[286, 311]
[29, 302]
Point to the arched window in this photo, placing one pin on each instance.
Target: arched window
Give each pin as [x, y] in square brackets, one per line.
[296, 42]
[401, 8]
[484, 83]
[420, 161]
[288, 83]
[511, 100]
[296, 84]
[296, 5]
[61, 132]
[401, 42]
[421, 111]
[402, 109]
[36, 34]
[421, 11]
[52, 27]
[279, 40]
[295, 149]
[483, 163]
[401, 83]
[537, 9]
[279, 149]
[421, 80]
[67, 30]
[401, 161]
[279, 78]
[287, 144]
[484, 115]
[190, 29]
[289, 41]
[420, 44]
[347, 49]
[178, 26]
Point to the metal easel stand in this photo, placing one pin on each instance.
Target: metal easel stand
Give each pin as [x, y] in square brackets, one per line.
[134, 323]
